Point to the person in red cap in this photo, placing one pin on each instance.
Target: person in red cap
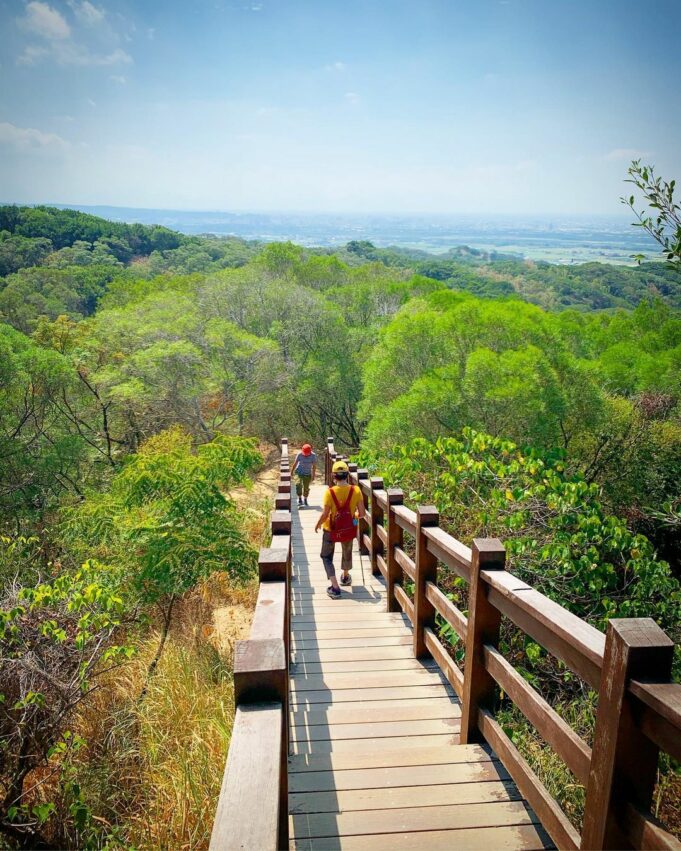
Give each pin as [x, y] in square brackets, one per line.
[305, 467]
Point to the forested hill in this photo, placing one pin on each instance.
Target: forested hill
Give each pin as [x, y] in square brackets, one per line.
[60, 262]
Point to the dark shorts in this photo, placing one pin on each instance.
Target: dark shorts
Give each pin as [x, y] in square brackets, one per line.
[328, 549]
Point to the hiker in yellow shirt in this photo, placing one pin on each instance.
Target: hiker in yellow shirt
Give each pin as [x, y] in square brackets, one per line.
[341, 505]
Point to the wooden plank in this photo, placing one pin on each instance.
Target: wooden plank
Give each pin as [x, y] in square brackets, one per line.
[387, 710]
[346, 654]
[660, 716]
[374, 730]
[404, 602]
[481, 771]
[248, 807]
[341, 614]
[269, 618]
[383, 621]
[327, 696]
[456, 619]
[552, 818]
[572, 640]
[377, 745]
[407, 564]
[449, 551]
[398, 757]
[411, 819]
[370, 679]
[406, 519]
[353, 598]
[313, 643]
[529, 837]
[447, 665]
[574, 752]
[377, 632]
[644, 831]
[403, 796]
[381, 563]
[313, 668]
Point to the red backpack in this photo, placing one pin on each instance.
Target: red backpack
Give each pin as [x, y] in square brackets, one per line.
[343, 523]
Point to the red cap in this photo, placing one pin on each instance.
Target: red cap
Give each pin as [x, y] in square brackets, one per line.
[307, 449]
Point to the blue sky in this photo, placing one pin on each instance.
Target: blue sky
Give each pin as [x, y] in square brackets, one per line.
[431, 106]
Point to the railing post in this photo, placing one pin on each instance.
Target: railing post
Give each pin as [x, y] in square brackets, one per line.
[484, 622]
[623, 760]
[395, 539]
[376, 519]
[364, 525]
[260, 675]
[426, 571]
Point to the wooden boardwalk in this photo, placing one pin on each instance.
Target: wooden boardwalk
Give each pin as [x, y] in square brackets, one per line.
[375, 761]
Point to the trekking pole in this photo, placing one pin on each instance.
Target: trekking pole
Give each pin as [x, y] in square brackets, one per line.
[361, 561]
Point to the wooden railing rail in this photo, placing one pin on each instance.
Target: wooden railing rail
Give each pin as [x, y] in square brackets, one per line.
[252, 808]
[639, 709]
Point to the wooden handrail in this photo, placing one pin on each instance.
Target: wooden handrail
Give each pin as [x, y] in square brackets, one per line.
[252, 809]
[649, 705]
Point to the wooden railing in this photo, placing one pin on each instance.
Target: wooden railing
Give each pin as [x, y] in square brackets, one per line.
[252, 809]
[639, 709]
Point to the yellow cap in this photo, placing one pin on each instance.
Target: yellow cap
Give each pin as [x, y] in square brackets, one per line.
[340, 467]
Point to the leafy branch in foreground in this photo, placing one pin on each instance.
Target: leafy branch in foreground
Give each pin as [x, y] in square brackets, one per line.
[55, 642]
[665, 225]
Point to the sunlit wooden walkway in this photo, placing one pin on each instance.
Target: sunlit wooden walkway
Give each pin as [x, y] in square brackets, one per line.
[375, 761]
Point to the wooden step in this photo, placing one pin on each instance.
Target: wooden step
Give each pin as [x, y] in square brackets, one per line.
[480, 771]
[374, 730]
[455, 816]
[475, 792]
[528, 837]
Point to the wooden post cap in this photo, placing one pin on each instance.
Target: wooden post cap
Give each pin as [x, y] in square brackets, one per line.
[395, 496]
[376, 483]
[491, 553]
[260, 670]
[427, 515]
[362, 473]
[281, 522]
[272, 564]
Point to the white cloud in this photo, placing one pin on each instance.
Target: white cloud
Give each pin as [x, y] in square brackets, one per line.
[151, 33]
[29, 139]
[86, 12]
[625, 155]
[41, 19]
[70, 53]
[60, 44]
[91, 103]
[118, 78]
[336, 66]
[352, 97]
[32, 54]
